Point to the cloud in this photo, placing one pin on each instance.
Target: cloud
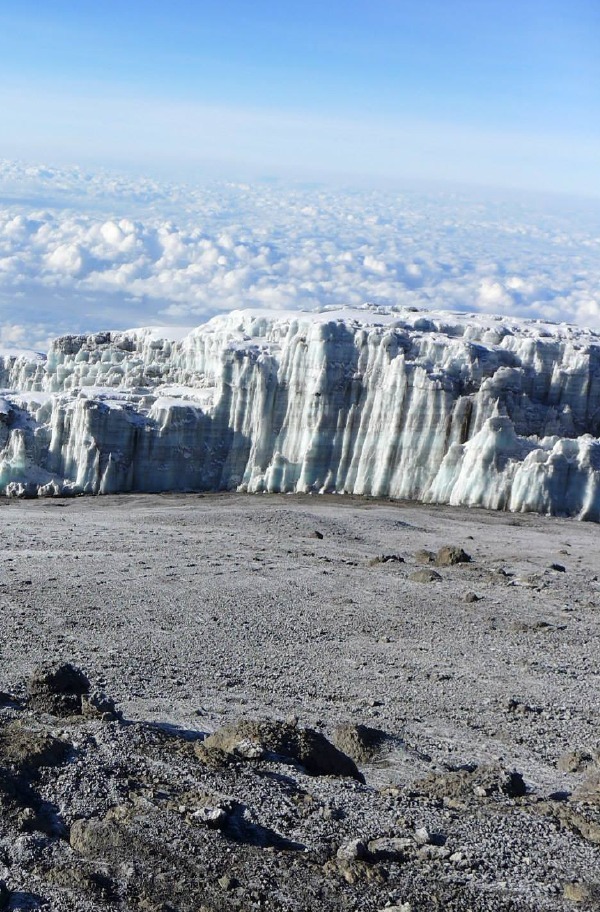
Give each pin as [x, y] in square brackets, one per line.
[82, 251]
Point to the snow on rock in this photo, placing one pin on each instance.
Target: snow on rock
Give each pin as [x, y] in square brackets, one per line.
[442, 407]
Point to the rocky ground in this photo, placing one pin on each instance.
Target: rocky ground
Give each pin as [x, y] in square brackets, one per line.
[228, 702]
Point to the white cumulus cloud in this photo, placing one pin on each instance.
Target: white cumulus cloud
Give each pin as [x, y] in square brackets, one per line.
[84, 251]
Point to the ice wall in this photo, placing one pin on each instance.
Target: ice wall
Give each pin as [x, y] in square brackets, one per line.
[441, 407]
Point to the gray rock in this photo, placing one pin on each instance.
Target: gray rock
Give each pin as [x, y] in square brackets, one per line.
[448, 556]
[389, 848]
[355, 850]
[99, 705]
[424, 557]
[472, 597]
[422, 836]
[213, 817]
[424, 576]
[227, 882]
[57, 688]
[589, 790]
[386, 559]
[360, 742]
[480, 781]
[582, 892]
[250, 740]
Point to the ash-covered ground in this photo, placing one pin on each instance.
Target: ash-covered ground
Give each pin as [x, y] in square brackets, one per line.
[302, 633]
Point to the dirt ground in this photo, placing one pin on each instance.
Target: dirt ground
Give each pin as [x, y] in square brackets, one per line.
[197, 611]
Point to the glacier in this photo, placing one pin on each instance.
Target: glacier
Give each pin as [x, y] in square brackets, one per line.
[458, 408]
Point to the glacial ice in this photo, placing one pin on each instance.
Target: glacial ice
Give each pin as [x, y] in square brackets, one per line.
[436, 406]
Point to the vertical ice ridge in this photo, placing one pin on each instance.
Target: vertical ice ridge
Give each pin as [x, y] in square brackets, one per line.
[441, 407]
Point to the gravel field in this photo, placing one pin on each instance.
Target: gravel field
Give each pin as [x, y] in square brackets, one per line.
[258, 617]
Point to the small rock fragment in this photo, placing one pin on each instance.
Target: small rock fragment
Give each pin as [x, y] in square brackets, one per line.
[424, 576]
[424, 557]
[422, 836]
[227, 882]
[386, 559]
[448, 556]
[213, 817]
[352, 851]
[98, 704]
[389, 848]
[519, 706]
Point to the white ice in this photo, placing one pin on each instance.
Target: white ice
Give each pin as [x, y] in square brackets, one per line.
[430, 405]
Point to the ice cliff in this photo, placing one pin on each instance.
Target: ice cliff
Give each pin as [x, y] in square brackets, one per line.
[454, 408]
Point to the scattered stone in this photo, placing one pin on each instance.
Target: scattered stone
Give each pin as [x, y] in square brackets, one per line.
[581, 818]
[429, 852]
[249, 740]
[472, 597]
[359, 742]
[530, 627]
[316, 534]
[424, 576]
[558, 567]
[529, 581]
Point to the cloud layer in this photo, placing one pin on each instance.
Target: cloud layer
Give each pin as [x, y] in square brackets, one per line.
[84, 251]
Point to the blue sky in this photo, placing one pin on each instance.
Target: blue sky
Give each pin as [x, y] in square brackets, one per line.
[504, 93]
